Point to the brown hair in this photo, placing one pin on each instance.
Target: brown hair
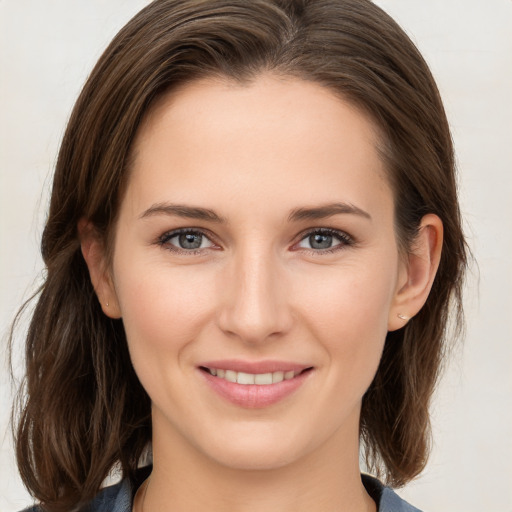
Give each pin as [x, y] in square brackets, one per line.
[84, 408]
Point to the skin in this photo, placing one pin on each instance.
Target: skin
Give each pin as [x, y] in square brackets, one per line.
[258, 290]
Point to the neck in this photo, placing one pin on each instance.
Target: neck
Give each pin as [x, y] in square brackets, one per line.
[326, 480]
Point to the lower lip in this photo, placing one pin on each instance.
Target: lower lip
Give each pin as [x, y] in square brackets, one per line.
[254, 396]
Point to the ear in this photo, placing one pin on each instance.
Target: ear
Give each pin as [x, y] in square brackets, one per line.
[417, 272]
[93, 251]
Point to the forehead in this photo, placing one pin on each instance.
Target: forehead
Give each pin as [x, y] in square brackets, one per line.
[281, 137]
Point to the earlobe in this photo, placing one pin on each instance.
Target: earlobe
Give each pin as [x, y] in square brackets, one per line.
[420, 270]
[93, 251]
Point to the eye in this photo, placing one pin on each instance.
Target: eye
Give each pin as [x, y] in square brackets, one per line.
[186, 240]
[324, 240]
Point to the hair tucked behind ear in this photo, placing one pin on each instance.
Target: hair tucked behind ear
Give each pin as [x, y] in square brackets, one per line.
[84, 408]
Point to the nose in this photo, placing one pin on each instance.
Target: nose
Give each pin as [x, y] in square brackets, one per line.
[255, 305]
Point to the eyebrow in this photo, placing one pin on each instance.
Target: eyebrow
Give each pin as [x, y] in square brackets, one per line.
[181, 210]
[328, 210]
[298, 214]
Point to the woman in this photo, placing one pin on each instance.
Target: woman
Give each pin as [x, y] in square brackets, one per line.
[252, 246]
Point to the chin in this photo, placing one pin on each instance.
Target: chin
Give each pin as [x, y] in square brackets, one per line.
[257, 451]
[253, 460]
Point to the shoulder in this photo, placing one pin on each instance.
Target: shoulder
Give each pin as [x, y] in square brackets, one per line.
[386, 499]
[115, 498]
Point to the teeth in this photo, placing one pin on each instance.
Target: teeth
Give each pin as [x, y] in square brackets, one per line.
[263, 378]
[277, 377]
[230, 376]
[245, 378]
[252, 378]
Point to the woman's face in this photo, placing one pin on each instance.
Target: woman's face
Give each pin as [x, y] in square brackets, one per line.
[256, 244]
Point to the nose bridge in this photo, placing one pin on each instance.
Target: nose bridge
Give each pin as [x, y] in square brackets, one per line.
[255, 306]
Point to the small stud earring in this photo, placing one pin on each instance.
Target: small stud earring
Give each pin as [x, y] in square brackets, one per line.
[106, 304]
[402, 317]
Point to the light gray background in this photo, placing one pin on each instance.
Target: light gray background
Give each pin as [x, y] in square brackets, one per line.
[47, 49]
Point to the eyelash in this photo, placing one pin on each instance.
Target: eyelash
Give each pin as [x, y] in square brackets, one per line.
[164, 239]
[343, 238]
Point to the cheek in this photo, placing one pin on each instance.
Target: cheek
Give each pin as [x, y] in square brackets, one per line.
[163, 309]
[354, 297]
[348, 313]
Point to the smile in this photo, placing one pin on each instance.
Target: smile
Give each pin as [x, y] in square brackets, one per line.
[254, 385]
[262, 379]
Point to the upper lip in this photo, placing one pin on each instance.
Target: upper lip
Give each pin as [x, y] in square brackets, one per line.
[256, 367]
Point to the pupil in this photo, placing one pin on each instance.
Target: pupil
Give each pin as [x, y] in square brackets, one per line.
[190, 241]
[320, 241]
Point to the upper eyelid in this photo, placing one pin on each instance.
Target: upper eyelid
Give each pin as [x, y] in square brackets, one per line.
[342, 234]
[207, 232]
[175, 232]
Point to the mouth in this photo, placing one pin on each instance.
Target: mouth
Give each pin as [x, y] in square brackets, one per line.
[254, 385]
[260, 379]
